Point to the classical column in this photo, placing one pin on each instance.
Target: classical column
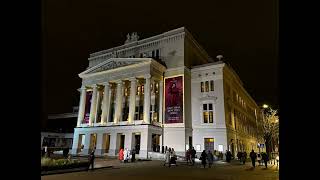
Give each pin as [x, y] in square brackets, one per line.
[118, 102]
[132, 105]
[146, 106]
[153, 99]
[98, 106]
[105, 104]
[160, 101]
[93, 108]
[82, 106]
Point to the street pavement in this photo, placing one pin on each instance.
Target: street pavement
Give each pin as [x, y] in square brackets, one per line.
[154, 170]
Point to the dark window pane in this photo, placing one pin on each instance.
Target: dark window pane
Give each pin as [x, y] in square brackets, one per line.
[211, 85]
[205, 107]
[210, 106]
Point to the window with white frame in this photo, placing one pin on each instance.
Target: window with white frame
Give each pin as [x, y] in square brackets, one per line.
[207, 86]
[207, 113]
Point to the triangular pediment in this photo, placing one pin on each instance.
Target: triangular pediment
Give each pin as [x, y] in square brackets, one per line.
[114, 63]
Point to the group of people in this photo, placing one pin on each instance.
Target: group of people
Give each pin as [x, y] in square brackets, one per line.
[206, 156]
[170, 157]
[125, 155]
[261, 158]
[190, 156]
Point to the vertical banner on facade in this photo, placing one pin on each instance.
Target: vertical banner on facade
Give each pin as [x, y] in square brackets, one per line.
[88, 105]
[174, 100]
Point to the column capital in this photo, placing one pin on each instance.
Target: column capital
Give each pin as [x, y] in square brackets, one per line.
[133, 79]
[147, 76]
[106, 84]
[118, 82]
[94, 85]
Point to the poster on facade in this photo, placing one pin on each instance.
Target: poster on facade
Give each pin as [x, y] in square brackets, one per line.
[174, 100]
[87, 107]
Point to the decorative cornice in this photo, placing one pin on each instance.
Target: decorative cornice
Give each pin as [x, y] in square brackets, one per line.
[144, 42]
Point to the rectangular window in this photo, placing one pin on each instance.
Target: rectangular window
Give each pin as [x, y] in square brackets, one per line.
[207, 86]
[153, 54]
[205, 107]
[207, 113]
[202, 87]
[157, 53]
[210, 117]
[205, 117]
[211, 85]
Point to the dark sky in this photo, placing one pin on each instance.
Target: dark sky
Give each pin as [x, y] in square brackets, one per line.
[245, 32]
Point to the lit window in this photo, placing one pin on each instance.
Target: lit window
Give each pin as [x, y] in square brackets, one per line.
[207, 86]
[207, 113]
[211, 85]
[205, 117]
[202, 87]
[210, 117]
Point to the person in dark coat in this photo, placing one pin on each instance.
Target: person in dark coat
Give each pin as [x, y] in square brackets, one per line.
[203, 158]
[265, 159]
[133, 155]
[244, 157]
[193, 155]
[210, 158]
[239, 156]
[253, 157]
[228, 156]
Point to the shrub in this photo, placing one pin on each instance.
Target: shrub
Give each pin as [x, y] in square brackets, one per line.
[48, 164]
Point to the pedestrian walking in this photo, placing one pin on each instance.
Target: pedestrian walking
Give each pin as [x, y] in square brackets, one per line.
[91, 159]
[173, 157]
[259, 159]
[239, 156]
[244, 157]
[253, 157]
[210, 158]
[125, 155]
[133, 155]
[188, 156]
[193, 155]
[203, 158]
[265, 159]
[228, 156]
[120, 156]
[167, 158]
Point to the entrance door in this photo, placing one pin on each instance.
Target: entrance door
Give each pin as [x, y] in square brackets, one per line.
[137, 143]
[122, 141]
[156, 143]
[209, 144]
[106, 142]
[93, 142]
[81, 143]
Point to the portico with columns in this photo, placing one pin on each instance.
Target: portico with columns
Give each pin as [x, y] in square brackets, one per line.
[125, 107]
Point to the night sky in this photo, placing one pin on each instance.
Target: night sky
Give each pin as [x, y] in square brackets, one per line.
[245, 32]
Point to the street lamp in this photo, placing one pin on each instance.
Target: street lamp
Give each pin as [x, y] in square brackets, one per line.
[265, 106]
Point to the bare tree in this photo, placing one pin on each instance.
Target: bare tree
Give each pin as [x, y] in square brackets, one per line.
[270, 129]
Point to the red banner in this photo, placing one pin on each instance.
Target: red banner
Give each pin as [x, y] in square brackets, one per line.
[87, 107]
[174, 100]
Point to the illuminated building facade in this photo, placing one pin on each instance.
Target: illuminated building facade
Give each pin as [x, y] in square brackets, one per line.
[161, 91]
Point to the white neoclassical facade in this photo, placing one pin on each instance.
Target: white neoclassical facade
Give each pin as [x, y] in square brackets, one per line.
[162, 91]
